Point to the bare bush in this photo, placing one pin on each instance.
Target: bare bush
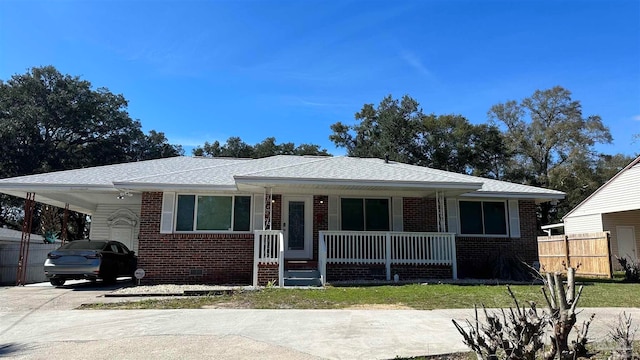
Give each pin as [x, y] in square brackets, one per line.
[623, 335]
[519, 333]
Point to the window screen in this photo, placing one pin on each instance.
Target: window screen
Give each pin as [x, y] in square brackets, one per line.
[377, 214]
[352, 214]
[483, 218]
[214, 213]
[242, 213]
[186, 207]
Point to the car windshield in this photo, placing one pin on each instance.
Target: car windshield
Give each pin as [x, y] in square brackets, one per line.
[83, 245]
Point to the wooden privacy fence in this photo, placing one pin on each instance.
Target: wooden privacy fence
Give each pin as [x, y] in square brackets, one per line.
[589, 252]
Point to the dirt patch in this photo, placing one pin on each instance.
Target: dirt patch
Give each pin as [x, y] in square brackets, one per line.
[379, 307]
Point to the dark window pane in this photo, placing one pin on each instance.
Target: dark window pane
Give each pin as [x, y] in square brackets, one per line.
[242, 213]
[377, 214]
[296, 225]
[352, 213]
[186, 206]
[495, 221]
[471, 217]
[214, 213]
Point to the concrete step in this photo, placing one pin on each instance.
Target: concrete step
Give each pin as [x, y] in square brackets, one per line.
[298, 281]
[302, 277]
[302, 273]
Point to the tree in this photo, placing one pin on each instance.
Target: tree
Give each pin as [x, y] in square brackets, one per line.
[391, 129]
[546, 132]
[400, 129]
[50, 122]
[235, 147]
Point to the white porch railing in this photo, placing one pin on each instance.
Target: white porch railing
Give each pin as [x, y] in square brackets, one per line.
[376, 247]
[268, 248]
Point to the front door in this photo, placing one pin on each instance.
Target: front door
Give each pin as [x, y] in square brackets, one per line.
[626, 243]
[297, 227]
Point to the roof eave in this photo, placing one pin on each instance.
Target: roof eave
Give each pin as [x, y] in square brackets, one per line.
[635, 162]
[32, 187]
[538, 197]
[171, 187]
[249, 180]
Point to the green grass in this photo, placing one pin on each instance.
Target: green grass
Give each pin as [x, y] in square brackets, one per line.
[420, 297]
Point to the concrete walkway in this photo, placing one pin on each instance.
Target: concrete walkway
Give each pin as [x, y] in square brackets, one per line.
[57, 333]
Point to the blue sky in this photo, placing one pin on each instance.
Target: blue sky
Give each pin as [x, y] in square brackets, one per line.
[206, 70]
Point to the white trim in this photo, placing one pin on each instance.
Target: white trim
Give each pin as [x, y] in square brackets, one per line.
[514, 195]
[307, 253]
[354, 183]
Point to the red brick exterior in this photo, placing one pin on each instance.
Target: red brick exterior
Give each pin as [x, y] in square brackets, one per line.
[477, 256]
[419, 215]
[170, 258]
[320, 220]
[267, 273]
[228, 258]
[346, 272]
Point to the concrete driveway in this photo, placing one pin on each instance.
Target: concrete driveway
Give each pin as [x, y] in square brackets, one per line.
[39, 322]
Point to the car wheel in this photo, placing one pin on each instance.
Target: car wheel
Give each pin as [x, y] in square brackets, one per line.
[56, 282]
[109, 280]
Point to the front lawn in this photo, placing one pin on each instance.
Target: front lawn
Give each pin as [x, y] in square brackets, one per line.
[420, 297]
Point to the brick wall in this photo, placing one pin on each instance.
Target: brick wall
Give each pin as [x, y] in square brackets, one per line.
[266, 273]
[487, 257]
[346, 272]
[320, 219]
[190, 258]
[420, 214]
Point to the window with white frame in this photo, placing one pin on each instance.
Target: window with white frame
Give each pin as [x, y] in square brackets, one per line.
[483, 217]
[358, 214]
[213, 213]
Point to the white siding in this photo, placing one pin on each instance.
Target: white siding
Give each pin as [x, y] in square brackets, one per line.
[626, 218]
[583, 224]
[100, 227]
[621, 194]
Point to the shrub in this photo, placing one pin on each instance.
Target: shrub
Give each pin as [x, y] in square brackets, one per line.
[631, 269]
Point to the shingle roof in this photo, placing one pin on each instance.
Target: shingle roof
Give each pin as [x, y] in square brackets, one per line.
[228, 172]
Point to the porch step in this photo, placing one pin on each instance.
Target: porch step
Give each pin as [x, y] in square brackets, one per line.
[302, 277]
[300, 264]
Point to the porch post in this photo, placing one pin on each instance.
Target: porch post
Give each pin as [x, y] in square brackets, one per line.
[387, 254]
[23, 257]
[256, 242]
[440, 213]
[280, 259]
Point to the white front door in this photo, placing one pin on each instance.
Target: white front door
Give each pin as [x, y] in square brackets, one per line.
[626, 243]
[297, 225]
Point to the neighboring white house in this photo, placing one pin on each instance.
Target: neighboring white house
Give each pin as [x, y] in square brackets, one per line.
[10, 252]
[614, 207]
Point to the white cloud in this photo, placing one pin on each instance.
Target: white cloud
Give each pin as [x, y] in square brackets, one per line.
[636, 118]
[414, 61]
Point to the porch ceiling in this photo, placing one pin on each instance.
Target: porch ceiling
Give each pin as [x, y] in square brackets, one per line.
[84, 201]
